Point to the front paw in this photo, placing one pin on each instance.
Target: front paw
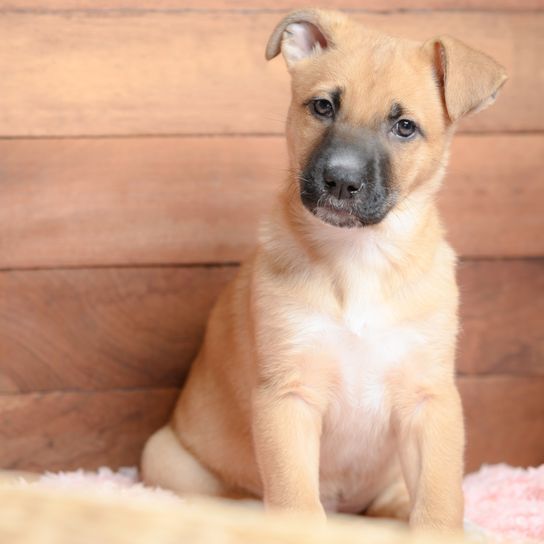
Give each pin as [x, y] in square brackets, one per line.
[450, 520]
[309, 507]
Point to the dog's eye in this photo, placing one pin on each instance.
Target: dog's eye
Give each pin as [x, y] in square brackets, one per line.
[322, 108]
[405, 128]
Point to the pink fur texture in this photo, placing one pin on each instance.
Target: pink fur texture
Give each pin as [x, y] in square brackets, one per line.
[502, 502]
[507, 502]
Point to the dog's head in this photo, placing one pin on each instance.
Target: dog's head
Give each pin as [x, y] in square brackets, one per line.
[371, 116]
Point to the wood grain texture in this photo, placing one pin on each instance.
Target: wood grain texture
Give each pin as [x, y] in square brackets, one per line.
[134, 201]
[504, 419]
[124, 328]
[199, 200]
[102, 328]
[502, 317]
[492, 200]
[268, 5]
[67, 430]
[186, 72]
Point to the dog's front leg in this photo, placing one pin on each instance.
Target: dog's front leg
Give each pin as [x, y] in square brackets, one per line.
[286, 435]
[431, 443]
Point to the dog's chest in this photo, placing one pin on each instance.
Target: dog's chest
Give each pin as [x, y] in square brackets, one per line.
[369, 343]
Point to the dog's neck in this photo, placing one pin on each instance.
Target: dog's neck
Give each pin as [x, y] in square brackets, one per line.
[407, 238]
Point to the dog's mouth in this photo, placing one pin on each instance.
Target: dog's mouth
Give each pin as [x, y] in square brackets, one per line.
[337, 214]
[351, 214]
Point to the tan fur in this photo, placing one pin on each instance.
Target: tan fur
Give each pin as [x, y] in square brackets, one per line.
[326, 377]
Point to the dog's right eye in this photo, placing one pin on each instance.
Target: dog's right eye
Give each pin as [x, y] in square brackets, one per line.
[322, 107]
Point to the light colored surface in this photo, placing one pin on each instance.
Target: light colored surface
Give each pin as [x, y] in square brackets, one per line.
[44, 516]
[502, 502]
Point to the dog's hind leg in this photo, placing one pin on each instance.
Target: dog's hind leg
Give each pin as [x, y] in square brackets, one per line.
[167, 464]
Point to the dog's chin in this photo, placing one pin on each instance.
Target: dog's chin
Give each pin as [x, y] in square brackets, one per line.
[345, 217]
[337, 218]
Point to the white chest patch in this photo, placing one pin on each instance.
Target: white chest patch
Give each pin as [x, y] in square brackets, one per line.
[357, 442]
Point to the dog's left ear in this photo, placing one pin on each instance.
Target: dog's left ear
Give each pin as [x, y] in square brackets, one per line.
[297, 36]
[470, 80]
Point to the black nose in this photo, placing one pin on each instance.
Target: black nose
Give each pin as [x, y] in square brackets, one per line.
[343, 182]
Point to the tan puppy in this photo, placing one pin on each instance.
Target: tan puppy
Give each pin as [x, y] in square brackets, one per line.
[326, 377]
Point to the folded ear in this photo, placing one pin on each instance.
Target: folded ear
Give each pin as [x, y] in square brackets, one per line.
[297, 36]
[470, 79]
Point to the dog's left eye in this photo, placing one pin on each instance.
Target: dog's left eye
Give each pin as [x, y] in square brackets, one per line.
[405, 128]
[322, 108]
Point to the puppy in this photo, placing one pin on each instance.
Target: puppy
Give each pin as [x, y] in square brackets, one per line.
[326, 377]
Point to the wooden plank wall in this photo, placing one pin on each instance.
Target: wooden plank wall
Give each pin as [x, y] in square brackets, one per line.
[119, 119]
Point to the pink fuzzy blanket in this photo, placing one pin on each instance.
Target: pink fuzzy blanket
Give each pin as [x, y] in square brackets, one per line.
[502, 502]
[506, 502]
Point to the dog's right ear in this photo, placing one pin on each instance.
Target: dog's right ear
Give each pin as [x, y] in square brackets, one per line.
[299, 35]
[469, 79]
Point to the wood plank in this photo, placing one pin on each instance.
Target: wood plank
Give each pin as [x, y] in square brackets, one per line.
[67, 430]
[197, 200]
[493, 197]
[151, 72]
[134, 201]
[268, 5]
[502, 309]
[102, 328]
[505, 420]
[125, 328]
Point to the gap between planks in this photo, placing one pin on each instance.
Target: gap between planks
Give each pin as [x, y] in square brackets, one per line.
[233, 264]
[76, 391]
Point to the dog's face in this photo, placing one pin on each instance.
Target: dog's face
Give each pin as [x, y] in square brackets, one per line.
[371, 116]
[361, 133]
